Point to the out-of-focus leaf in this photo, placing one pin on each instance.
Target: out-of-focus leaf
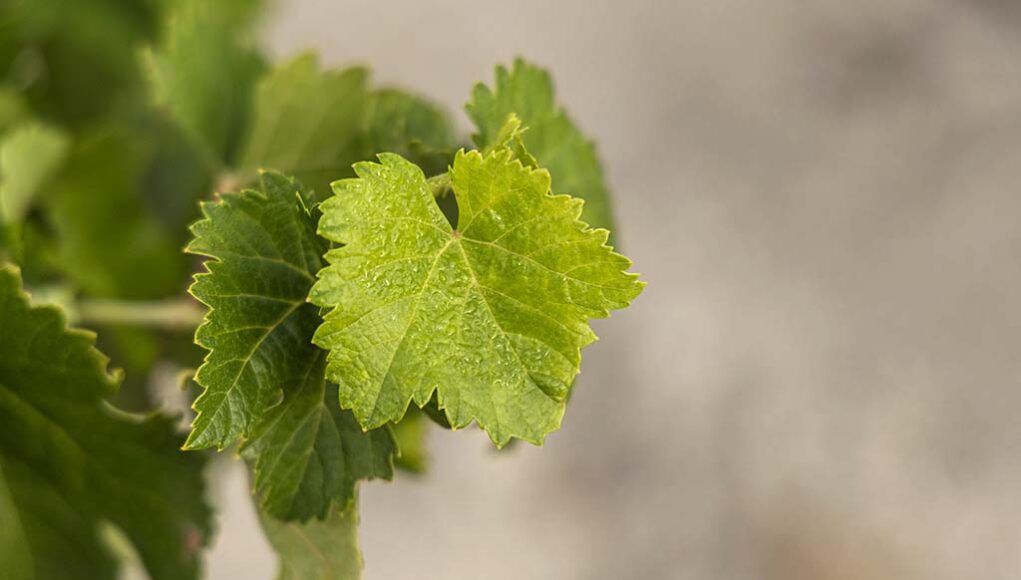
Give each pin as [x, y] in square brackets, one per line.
[110, 245]
[174, 178]
[307, 123]
[414, 128]
[205, 71]
[69, 461]
[12, 109]
[31, 246]
[30, 154]
[317, 550]
[75, 61]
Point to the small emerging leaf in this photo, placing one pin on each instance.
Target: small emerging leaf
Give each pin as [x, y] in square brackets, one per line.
[491, 315]
[511, 136]
[410, 435]
[551, 136]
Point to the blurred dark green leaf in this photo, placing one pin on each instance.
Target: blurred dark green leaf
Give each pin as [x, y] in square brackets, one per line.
[30, 155]
[68, 461]
[110, 244]
[75, 61]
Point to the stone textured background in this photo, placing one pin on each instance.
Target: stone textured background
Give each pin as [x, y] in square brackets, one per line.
[821, 381]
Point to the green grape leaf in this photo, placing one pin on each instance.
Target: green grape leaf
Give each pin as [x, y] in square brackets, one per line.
[110, 243]
[175, 176]
[264, 252]
[69, 461]
[406, 124]
[119, 211]
[205, 72]
[12, 109]
[317, 550]
[307, 451]
[491, 315]
[307, 122]
[30, 154]
[28, 552]
[551, 136]
[75, 61]
[511, 136]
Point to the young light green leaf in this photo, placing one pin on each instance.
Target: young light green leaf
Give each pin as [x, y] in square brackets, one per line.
[317, 550]
[551, 136]
[307, 122]
[491, 315]
[511, 136]
[30, 154]
[68, 461]
[307, 451]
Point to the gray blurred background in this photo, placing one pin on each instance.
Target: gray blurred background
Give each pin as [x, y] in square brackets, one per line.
[821, 379]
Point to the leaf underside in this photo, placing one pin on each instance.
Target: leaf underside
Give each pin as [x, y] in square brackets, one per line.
[491, 315]
[317, 550]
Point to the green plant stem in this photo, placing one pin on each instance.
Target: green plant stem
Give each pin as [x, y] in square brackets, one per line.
[173, 314]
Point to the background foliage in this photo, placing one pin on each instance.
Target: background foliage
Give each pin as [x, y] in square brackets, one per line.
[118, 121]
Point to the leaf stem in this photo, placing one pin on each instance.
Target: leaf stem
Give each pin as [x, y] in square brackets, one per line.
[172, 314]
